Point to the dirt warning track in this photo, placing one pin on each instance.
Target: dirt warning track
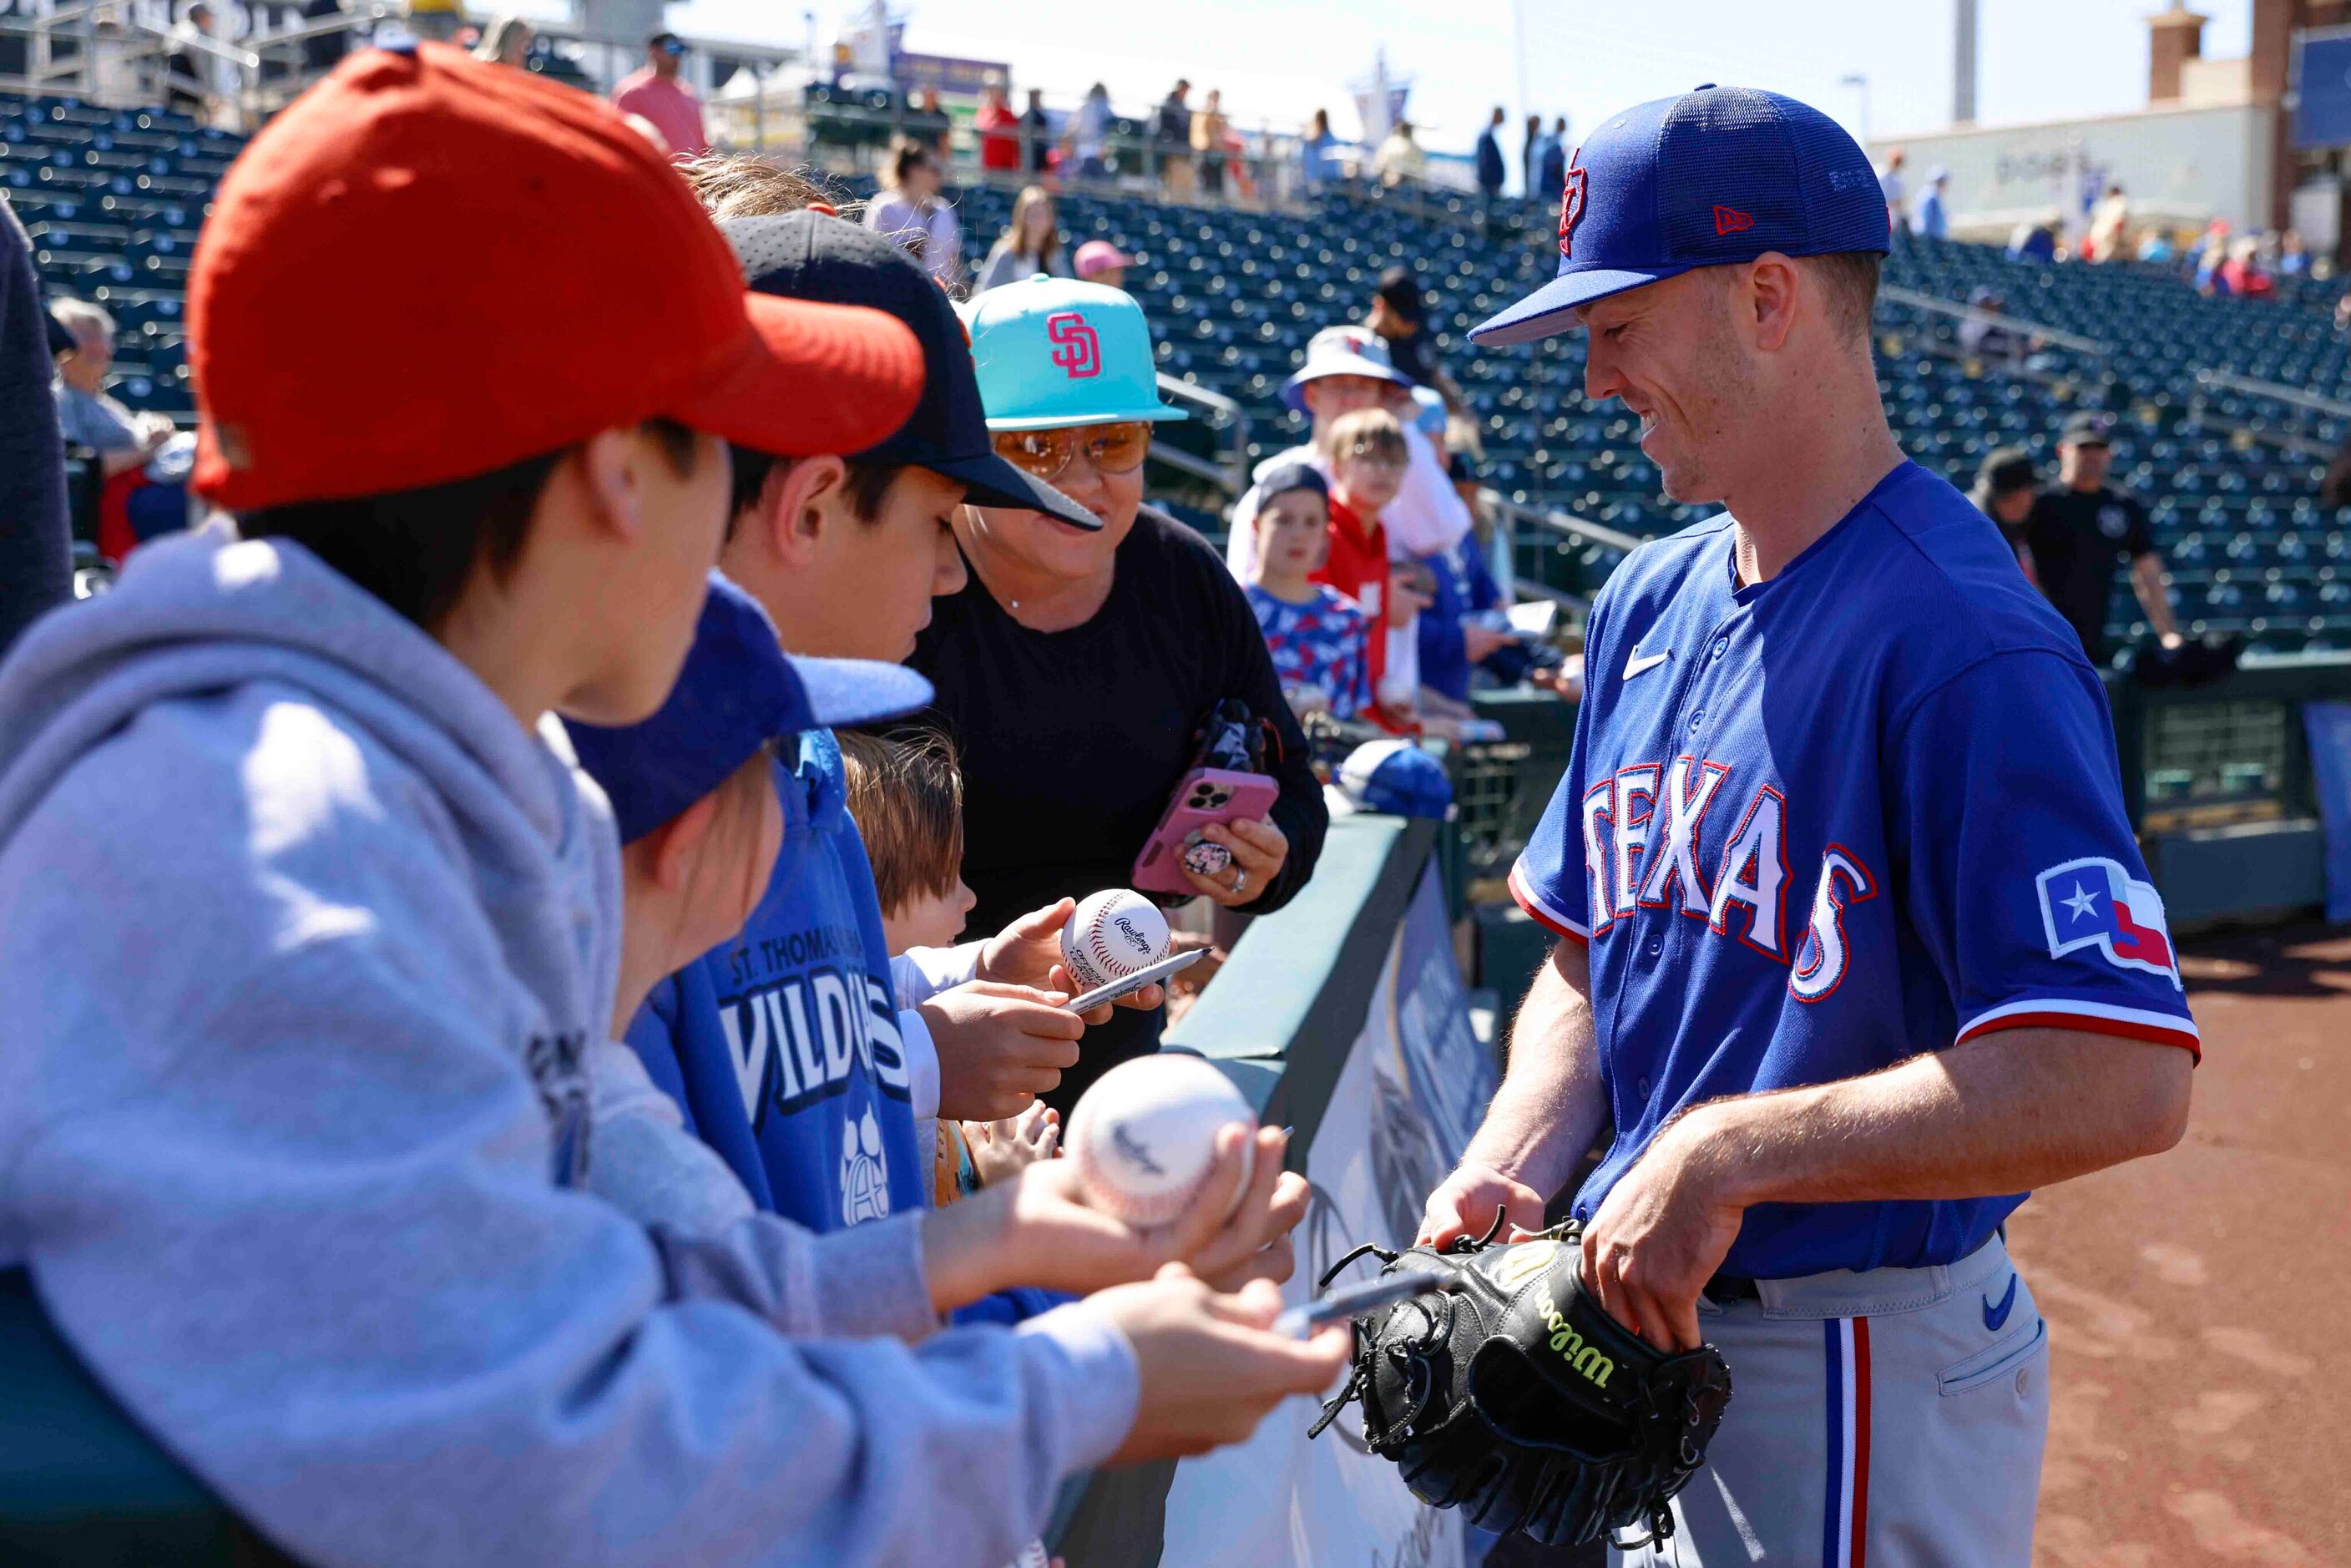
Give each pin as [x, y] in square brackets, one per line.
[2199, 1303]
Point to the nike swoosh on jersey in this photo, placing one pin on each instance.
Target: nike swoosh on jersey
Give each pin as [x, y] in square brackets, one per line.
[1995, 1315]
[1635, 664]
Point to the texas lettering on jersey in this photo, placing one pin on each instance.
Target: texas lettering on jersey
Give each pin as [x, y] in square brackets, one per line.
[1644, 847]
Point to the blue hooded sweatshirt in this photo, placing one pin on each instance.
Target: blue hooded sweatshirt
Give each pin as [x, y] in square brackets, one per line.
[785, 1047]
[290, 1067]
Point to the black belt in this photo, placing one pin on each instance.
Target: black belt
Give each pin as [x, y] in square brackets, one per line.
[1725, 1288]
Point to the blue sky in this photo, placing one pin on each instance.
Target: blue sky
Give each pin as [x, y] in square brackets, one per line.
[1277, 60]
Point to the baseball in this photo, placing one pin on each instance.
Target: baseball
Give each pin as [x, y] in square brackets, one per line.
[1111, 934]
[1144, 1135]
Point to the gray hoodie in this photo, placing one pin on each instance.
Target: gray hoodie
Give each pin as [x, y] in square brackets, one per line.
[304, 939]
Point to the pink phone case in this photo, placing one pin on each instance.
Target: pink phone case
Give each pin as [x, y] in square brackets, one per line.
[1207, 795]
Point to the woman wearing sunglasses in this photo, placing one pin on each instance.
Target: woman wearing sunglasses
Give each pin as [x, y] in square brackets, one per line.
[1075, 668]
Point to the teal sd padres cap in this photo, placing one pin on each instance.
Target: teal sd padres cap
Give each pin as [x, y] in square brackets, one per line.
[1053, 352]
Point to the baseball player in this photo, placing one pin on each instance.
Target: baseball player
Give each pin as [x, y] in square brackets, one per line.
[1856, 946]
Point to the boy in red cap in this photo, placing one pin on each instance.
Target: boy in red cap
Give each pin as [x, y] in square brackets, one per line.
[292, 1135]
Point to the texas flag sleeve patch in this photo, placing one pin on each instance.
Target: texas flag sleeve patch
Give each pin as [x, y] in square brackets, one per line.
[2095, 904]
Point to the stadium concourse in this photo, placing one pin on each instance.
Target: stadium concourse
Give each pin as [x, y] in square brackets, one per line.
[113, 201]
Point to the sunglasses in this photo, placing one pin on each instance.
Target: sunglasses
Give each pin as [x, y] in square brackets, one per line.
[1110, 448]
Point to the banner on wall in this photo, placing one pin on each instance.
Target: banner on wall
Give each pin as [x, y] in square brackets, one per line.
[1414, 1085]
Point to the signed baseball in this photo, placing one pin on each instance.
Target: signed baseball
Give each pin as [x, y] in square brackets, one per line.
[1144, 1135]
[1111, 934]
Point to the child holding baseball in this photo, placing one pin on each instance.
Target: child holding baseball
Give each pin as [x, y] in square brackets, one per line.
[905, 794]
[1319, 638]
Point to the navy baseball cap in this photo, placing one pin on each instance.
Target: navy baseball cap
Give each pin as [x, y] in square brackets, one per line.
[815, 255]
[1716, 176]
[738, 691]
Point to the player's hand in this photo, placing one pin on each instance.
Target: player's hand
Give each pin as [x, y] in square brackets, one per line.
[1000, 1047]
[1028, 952]
[1662, 1231]
[1466, 1203]
[1208, 1368]
[1259, 851]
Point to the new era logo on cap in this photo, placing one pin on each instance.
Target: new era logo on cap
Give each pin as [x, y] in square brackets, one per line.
[1717, 176]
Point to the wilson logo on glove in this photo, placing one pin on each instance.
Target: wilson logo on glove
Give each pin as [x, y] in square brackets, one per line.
[1585, 1359]
[1509, 1393]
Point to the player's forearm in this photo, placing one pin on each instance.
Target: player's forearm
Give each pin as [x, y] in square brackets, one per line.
[2003, 1113]
[1550, 1106]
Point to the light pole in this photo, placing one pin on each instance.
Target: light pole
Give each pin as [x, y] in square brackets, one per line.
[1859, 82]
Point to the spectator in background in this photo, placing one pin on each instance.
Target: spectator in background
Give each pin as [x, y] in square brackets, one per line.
[1000, 142]
[2005, 485]
[35, 549]
[1400, 160]
[655, 94]
[1317, 163]
[195, 82]
[1348, 369]
[1400, 316]
[1552, 172]
[1086, 139]
[2294, 258]
[1037, 133]
[1993, 341]
[1889, 183]
[1530, 155]
[2208, 255]
[326, 51]
[910, 215]
[1076, 668]
[1318, 637]
[1171, 135]
[1098, 261]
[1934, 214]
[2109, 227]
[143, 460]
[1208, 144]
[2243, 274]
[1363, 453]
[2157, 246]
[1029, 245]
[88, 415]
[508, 43]
[928, 122]
[2079, 532]
[1491, 170]
[2032, 241]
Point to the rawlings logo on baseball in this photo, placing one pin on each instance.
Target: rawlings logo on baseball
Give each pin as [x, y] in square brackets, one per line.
[1111, 934]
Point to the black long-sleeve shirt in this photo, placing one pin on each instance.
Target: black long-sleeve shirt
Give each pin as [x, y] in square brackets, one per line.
[1073, 742]
[36, 552]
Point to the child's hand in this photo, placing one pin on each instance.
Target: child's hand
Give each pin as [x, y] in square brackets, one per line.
[1028, 952]
[999, 1150]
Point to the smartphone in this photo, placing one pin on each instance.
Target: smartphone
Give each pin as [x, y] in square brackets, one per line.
[1341, 1306]
[1136, 981]
[1207, 795]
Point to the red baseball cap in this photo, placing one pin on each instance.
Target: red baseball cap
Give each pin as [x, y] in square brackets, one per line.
[428, 267]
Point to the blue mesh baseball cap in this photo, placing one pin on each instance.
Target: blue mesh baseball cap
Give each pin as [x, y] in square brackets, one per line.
[1716, 176]
[738, 691]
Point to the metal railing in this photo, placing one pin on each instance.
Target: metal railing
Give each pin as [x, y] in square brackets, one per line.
[1229, 472]
[1941, 306]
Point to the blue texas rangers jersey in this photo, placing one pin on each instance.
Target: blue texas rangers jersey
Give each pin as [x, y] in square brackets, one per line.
[1822, 823]
[782, 1046]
